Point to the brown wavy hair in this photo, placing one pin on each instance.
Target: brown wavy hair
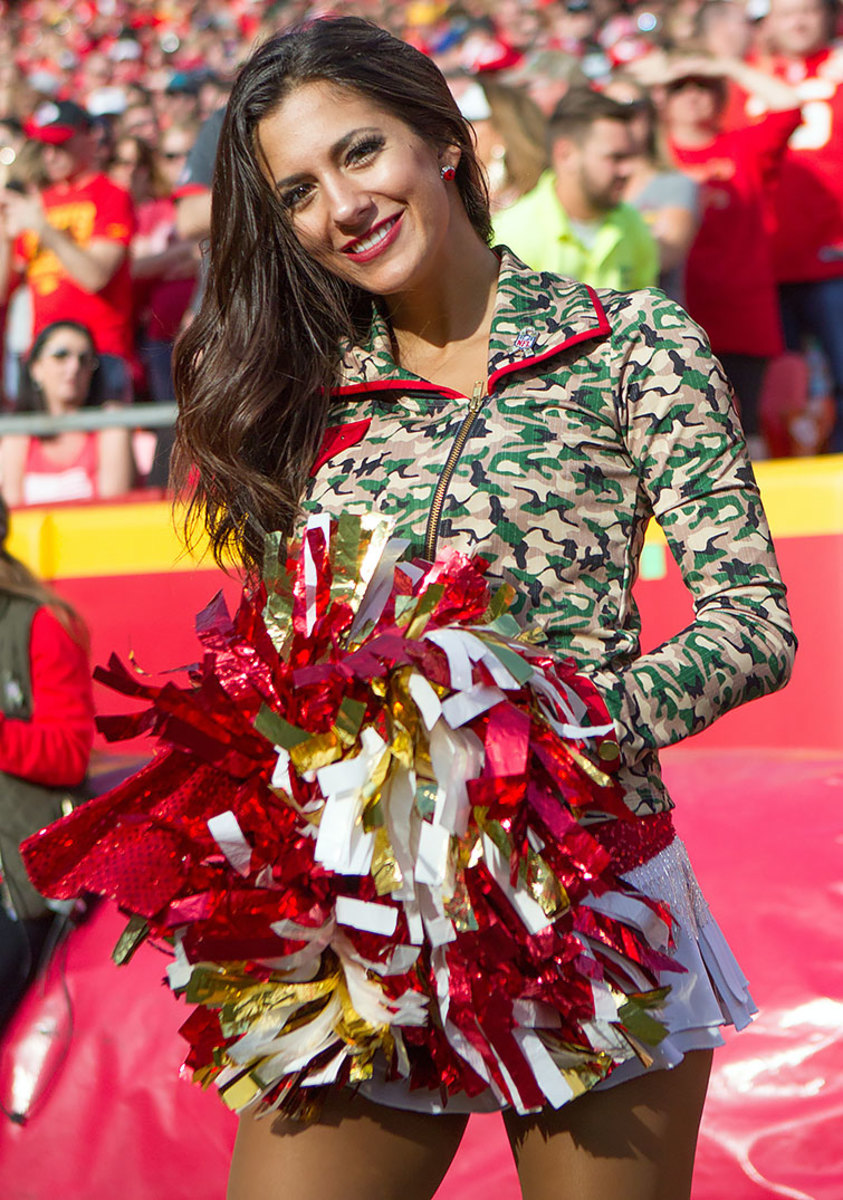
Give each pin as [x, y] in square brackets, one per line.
[16, 579]
[254, 372]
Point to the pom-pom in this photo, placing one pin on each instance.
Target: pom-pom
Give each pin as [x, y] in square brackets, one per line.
[366, 837]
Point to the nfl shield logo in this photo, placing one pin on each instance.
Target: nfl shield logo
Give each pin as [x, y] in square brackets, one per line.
[526, 340]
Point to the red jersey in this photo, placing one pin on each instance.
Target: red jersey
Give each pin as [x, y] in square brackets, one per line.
[160, 303]
[808, 237]
[730, 285]
[94, 208]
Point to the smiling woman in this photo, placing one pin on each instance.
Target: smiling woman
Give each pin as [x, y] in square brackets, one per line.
[424, 869]
[271, 421]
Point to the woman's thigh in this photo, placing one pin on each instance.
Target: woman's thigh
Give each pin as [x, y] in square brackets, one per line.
[356, 1151]
[635, 1141]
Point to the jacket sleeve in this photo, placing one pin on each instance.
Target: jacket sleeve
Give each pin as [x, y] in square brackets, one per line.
[684, 439]
[53, 748]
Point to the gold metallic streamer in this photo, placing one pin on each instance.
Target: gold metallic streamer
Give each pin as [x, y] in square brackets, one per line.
[318, 751]
[349, 719]
[587, 766]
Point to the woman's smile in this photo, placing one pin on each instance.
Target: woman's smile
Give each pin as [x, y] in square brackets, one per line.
[376, 241]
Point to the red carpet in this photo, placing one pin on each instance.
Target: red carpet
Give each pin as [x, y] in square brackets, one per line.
[111, 1119]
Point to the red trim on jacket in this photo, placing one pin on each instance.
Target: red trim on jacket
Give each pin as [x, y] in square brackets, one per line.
[392, 384]
[602, 327]
[338, 438]
[420, 385]
[341, 437]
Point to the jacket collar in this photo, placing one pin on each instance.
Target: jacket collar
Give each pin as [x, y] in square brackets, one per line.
[536, 316]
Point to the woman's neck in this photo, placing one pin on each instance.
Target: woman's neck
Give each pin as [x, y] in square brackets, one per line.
[441, 330]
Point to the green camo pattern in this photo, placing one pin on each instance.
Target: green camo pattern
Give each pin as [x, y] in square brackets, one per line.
[603, 410]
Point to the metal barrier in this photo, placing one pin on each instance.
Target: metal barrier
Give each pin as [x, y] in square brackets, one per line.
[133, 416]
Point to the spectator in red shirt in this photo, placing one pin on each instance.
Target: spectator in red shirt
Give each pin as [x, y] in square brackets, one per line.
[46, 733]
[730, 286]
[808, 239]
[71, 241]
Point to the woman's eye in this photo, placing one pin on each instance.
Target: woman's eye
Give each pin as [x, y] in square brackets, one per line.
[296, 196]
[364, 151]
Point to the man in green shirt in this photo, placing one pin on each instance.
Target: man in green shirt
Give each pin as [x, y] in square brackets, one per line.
[573, 222]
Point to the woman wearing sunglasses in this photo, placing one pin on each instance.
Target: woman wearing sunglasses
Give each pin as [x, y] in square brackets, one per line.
[61, 375]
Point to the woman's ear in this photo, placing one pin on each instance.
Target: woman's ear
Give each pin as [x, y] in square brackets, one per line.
[449, 156]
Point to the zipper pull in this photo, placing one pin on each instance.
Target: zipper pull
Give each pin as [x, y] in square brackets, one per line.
[477, 396]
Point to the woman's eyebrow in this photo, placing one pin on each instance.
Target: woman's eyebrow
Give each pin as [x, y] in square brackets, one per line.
[336, 152]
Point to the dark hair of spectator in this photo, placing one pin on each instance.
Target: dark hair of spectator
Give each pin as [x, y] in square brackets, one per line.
[655, 148]
[147, 160]
[253, 372]
[30, 398]
[16, 579]
[137, 95]
[716, 84]
[579, 108]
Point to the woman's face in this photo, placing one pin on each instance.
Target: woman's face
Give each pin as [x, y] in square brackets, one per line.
[692, 101]
[63, 369]
[175, 146]
[126, 169]
[363, 191]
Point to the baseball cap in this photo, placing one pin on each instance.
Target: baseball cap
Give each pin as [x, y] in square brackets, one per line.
[184, 83]
[56, 122]
[106, 101]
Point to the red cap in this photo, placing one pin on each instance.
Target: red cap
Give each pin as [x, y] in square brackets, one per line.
[56, 121]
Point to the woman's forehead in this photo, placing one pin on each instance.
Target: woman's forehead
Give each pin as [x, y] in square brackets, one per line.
[317, 100]
[315, 119]
[67, 336]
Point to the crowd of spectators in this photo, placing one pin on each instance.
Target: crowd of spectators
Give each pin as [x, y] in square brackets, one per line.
[696, 145]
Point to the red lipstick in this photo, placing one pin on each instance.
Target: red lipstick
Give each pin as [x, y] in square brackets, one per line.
[393, 226]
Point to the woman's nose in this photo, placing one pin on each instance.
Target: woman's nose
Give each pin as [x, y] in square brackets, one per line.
[348, 203]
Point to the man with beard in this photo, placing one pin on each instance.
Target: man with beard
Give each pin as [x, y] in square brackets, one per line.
[574, 222]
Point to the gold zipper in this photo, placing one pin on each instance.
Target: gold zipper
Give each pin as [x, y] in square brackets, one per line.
[431, 537]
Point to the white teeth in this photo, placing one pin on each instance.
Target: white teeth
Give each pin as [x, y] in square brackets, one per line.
[366, 243]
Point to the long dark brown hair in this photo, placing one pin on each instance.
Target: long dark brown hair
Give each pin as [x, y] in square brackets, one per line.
[254, 371]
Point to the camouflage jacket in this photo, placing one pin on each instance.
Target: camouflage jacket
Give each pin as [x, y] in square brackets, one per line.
[600, 410]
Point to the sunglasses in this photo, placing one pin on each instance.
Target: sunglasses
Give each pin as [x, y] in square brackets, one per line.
[90, 361]
[707, 83]
[171, 154]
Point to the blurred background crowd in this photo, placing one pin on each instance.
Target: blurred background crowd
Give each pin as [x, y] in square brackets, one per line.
[695, 145]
